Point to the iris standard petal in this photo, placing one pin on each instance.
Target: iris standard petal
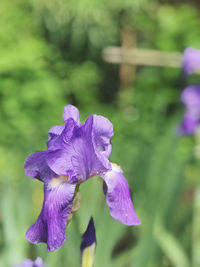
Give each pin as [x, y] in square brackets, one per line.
[56, 141]
[86, 161]
[118, 197]
[103, 132]
[36, 166]
[71, 111]
[57, 206]
[56, 130]
[78, 154]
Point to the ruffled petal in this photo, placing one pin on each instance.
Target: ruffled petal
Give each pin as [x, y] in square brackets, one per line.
[51, 223]
[54, 132]
[71, 111]
[86, 161]
[118, 197]
[36, 166]
[102, 132]
[78, 154]
[56, 141]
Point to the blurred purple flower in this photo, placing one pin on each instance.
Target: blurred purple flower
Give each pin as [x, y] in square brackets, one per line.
[75, 152]
[191, 60]
[191, 120]
[29, 263]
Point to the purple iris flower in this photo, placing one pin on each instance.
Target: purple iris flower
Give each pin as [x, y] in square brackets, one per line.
[191, 99]
[76, 152]
[29, 263]
[191, 60]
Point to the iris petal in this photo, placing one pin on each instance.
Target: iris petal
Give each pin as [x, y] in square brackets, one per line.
[36, 166]
[102, 133]
[54, 132]
[71, 111]
[78, 154]
[29, 263]
[118, 197]
[51, 223]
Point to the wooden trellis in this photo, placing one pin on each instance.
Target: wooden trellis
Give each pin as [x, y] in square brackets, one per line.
[129, 57]
[142, 57]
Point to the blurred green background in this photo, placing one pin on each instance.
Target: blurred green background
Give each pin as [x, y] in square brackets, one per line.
[50, 56]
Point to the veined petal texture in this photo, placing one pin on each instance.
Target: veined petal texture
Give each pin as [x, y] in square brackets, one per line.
[51, 223]
[118, 197]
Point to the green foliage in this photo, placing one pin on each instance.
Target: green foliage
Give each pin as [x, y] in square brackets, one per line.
[50, 55]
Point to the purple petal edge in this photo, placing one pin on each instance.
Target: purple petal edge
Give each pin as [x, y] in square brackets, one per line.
[118, 197]
[71, 111]
[50, 225]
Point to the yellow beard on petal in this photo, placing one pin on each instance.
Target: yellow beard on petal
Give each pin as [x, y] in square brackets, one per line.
[116, 167]
[56, 181]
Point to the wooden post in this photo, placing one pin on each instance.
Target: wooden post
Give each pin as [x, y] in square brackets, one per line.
[129, 56]
[127, 71]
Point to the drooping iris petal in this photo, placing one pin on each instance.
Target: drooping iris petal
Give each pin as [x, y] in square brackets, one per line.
[118, 197]
[71, 111]
[191, 60]
[57, 206]
[88, 245]
[78, 154]
[36, 166]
